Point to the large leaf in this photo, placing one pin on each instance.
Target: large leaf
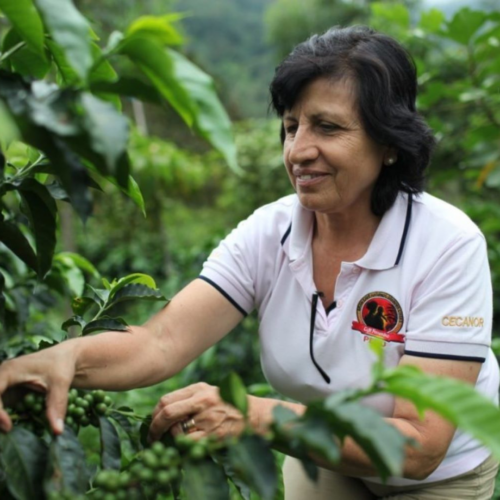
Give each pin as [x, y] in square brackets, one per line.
[26, 20]
[67, 470]
[382, 442]
[105, 323]
[107, 128]
[210, 118]
[110, 445]
[73, 321]
[129, 87]
[70, 30]
[159, 27]
[71, 258]
[13, 238]
[205, 479]
[135, 291]
[464, 25]
[253, 461]
[456, 401]
[26, 60]
[232, 390]
[157, 65]
[23, 457]
[138, 278]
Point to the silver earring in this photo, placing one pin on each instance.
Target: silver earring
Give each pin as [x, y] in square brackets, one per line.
[390, 161]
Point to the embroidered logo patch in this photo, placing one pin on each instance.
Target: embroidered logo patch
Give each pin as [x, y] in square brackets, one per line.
[379, 315]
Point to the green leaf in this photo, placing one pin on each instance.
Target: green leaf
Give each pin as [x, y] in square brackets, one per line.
[71, 258]
[67, 73]
[102, 71]
[110, 445]
[23, 457]
[26, 61]
[465, 24]
[107, 128]
[393, 13]
[210, 118]
[382, 442]
[205, 479]
[135, 291]
[316, 436]
[431, 20]
[139, 278]
[9, 131]
[232, 391]
[129, 87]
[80, 305]
[253, 461]
[73, 321]
[26, 20]
[67, 470]
[159, 27]
[70, 31]
[456, 401]
[105, 323]
[13, 238]
[151, 58]
[41, 211]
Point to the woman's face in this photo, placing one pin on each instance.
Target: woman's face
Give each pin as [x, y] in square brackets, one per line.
[331, 161]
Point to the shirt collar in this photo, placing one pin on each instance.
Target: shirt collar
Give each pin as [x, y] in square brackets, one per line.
[385, 250]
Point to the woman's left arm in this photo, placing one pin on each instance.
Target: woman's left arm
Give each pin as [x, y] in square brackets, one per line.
[211, 415]
[433, 434]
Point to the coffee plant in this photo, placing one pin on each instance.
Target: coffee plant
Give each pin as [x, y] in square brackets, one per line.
[63, 136]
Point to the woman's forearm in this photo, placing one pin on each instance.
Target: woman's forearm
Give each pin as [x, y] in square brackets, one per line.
[120, 361]
[354, 462]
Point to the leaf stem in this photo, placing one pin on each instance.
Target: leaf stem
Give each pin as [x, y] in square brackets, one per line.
[12, 51]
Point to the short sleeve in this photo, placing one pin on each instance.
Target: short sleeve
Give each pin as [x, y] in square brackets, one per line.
[231, 267]
[451, 308]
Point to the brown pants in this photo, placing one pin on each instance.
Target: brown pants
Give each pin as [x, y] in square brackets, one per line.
[478, 484]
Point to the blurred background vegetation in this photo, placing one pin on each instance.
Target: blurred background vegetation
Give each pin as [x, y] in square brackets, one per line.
[192, 198]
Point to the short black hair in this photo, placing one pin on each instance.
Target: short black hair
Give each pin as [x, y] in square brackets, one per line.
[385, 80]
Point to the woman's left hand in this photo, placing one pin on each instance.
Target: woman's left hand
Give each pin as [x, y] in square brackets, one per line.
[200, 402]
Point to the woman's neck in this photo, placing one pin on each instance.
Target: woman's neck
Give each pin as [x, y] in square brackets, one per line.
[346, 236]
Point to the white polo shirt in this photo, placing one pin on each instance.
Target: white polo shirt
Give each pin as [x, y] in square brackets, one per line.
[423, 286]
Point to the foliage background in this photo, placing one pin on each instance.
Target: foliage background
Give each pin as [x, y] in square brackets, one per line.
[193, 200]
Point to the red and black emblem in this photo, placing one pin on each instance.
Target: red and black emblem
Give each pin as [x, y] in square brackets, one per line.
[379, 315]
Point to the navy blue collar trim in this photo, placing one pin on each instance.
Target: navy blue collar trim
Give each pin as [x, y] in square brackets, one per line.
[287, 233]
[405, 230]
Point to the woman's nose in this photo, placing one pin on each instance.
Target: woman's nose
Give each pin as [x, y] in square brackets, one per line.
[302, 148]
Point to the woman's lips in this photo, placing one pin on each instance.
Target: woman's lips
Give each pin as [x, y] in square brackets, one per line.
[305, 180]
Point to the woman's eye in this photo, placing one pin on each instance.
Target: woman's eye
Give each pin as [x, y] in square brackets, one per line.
[291, 129]
[328, 127]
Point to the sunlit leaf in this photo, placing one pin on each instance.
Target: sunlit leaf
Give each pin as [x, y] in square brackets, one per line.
[210, 118]
[152, 59]
[70, 30]
[160, 27]
[26, 60]
[26, 20]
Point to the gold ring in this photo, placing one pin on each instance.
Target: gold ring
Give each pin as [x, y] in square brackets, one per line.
[188, 425]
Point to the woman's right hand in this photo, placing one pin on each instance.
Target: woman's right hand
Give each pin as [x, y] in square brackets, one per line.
[50, 371]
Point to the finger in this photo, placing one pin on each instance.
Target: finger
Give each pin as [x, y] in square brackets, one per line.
[174, 397]
[176, 430]
[169, 416]
[5, 421]
[57, 402]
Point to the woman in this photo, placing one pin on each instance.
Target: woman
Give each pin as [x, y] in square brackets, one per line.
[358, 252]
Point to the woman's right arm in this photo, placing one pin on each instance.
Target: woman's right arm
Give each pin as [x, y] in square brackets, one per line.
[196, 318]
